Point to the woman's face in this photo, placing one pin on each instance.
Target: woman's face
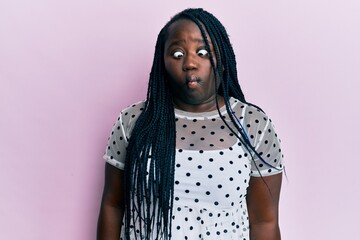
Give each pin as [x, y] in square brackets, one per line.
[188, 66]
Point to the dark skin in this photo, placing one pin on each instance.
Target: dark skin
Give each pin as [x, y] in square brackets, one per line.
[187, 63]
[192, 83]
[112, 204]
[263, 207]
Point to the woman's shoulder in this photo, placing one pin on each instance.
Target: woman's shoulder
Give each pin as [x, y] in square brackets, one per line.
[133, 108]
[131, 113]
[248, 110]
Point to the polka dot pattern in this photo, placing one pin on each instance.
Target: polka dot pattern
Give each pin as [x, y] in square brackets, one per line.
[212, 169]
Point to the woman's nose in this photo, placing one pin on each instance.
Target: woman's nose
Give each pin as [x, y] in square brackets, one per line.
[190, 62]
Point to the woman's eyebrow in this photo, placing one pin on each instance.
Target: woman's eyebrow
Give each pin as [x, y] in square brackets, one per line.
[183, 41]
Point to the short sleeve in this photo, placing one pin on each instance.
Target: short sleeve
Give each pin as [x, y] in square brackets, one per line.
[262, 135]
[115, 153]
[116, 148]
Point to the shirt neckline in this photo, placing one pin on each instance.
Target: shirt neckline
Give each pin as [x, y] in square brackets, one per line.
[204, 115]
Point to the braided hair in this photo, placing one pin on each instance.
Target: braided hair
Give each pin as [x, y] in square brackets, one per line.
[150, 159]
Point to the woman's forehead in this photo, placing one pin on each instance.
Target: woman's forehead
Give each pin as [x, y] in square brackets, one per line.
[185, 26]
[182, 25]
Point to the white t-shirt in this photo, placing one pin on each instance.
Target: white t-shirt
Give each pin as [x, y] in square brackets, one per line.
[212, 169]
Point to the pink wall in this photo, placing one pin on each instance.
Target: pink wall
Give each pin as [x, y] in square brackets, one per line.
[68, 67]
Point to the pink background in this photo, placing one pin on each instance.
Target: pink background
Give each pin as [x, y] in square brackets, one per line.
[68, 67]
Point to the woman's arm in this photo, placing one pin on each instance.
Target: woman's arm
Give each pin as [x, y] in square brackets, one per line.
[112, 205]
[263, 206]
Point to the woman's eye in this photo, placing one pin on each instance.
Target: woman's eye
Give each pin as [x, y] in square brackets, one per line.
[178, 54]
[203, 53]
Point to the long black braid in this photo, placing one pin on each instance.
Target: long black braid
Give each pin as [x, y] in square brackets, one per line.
[150, 159]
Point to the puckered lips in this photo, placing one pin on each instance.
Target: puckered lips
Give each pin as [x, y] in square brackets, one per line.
[192, 81]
